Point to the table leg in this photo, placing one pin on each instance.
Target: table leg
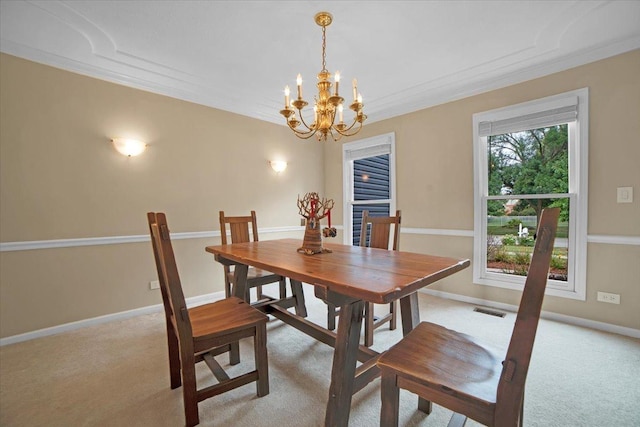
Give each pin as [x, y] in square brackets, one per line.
[239, 290]
[410, 319]
[344, 364]
[410, 312]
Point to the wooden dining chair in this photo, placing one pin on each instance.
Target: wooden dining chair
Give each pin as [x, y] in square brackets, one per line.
[378, 230]
[240, 233]
[459, 372]
[198, 334]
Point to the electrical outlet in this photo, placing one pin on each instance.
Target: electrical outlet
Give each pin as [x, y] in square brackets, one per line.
[610, 298]
[303, 222]
[154, 284]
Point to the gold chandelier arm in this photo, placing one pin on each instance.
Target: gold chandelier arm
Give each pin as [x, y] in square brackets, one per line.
[302, 134]
[347, 129]
[345, 132]
[335, 139]
[305, 123]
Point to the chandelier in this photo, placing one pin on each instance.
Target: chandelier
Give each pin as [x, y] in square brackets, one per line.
[327, 104]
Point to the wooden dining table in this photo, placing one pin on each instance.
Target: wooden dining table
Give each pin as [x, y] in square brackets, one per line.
[347, 277]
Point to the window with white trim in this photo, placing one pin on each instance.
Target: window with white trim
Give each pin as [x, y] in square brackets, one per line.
[527, 157]
[368, 169]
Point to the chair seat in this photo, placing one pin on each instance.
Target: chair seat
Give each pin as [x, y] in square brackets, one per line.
[444, 360]
[223, 317]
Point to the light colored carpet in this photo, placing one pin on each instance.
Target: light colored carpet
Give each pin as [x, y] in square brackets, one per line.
[116, 374]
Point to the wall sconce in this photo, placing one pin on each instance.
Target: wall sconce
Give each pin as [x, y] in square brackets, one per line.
[129, 147]
[278, 165]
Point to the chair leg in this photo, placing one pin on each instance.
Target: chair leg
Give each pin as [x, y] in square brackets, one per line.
[259, 292]
[174, 356]
[390, 395]
[521, 417]
[425, 405]
[283, 288]
[331, 316]
[368, 324]
[234, 353]
[457, 420]
[227, 288]
[394, 313]
[190, 392]
[262, 363]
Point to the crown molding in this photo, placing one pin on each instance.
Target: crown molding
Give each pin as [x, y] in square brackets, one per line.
[93, 52]
[445, 90]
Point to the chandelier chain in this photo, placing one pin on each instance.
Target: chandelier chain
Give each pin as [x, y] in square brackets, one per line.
[324, 45]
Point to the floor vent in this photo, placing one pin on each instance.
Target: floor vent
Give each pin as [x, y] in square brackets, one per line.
[490, 312]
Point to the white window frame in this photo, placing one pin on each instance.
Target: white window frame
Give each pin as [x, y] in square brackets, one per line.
[361, 149]
[575, 286]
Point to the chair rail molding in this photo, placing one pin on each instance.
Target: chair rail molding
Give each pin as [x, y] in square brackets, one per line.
[118, 240]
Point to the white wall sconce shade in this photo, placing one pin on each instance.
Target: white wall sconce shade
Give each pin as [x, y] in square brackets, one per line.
[278, 165]
[129, 147]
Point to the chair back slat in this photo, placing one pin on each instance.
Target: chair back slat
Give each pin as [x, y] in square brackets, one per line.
[379, 236]
[239, 232]
[238, 228]
[511, 386]
[170, 279]
[380, 230]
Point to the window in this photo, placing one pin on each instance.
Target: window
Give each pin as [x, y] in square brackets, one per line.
[527, 157]
[369, 181]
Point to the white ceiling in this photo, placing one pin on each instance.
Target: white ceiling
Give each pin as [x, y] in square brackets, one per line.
[239, 55]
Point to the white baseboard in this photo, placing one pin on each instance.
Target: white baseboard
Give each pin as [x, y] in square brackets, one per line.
[578, 321]
[201, 299]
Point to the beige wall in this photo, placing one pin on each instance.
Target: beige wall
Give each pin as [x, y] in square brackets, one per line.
[61, 179]
[434, 150]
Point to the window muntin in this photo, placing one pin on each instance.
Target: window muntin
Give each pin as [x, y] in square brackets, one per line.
[369, 181]
[510, 241]
[562, 182]
[520, 165]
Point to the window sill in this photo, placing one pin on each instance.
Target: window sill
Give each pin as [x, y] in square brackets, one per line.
[518, 285]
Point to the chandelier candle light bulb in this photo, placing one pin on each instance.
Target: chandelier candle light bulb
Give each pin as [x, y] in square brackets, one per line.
[327, 106]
